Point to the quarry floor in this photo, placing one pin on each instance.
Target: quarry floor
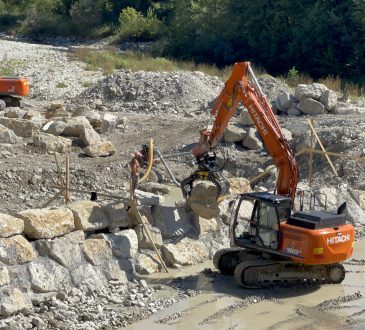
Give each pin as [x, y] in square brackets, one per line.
[221, 304]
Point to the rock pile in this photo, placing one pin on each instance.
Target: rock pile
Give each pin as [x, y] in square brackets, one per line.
[159, 93]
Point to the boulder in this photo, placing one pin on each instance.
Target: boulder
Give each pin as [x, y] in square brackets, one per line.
[203, 200]
[102, 149]
[205, 226]
[108, 123]
[56, 112]
[172, 221]
[124, 243]
[88, 215]
[287, 134]
[311, 107]
[7, 135]
[13, 301]
[63, 250]
[97, 251]
[55, 127]
[185, 252]
[47, 275]
[234, 133]
[55, 104]
[294, 112]
[90, 137]
[75, 126]
[146, 198]
[2, 105]
[21, 127]
[88, 277]
[82, 111]
[354, 213]
[147, 264]
[15, 113]
[313, 91]
[52, 143]
[252, 140]
[112, 271]
[143, 240]
[47, 223]
[154, 188]
[4, 276]
[94, 119]
[16, 250]
[32, 114]
[246, 119]
[10, 226]
[77, 235]
[116, 214]
[329, 99]
[239, 185]
[284, 102]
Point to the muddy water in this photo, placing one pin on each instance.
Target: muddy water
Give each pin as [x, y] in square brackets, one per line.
[222, 304]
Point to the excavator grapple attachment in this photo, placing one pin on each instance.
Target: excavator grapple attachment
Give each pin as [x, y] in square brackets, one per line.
[217, 178]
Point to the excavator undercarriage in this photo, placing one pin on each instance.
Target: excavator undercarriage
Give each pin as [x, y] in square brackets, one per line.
[254, 270]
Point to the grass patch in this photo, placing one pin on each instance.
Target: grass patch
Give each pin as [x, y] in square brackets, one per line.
[11, 67]
[108, 61]
[61, 85]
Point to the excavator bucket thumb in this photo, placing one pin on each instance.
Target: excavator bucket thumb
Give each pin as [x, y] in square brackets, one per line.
[219, 180]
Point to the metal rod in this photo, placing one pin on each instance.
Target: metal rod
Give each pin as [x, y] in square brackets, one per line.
[255, 80]
[168, 169]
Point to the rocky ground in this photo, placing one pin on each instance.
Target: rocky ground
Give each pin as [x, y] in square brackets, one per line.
[99, 121]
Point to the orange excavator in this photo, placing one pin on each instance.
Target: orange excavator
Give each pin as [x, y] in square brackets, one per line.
[12, 88]
[270, 243]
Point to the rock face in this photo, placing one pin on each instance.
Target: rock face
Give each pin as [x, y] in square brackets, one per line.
[16, 250]
[47, 223]
[89, 216]
[173, 222]
[234, 133]
[185, 252]
[311, 107]
[10, 226]
[203, 200]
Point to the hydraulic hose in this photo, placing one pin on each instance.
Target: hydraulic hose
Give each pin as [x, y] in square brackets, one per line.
[150, 162]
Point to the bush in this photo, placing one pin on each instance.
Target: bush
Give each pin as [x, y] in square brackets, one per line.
[133, 25]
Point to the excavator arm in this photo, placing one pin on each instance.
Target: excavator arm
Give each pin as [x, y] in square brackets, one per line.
[238, 89]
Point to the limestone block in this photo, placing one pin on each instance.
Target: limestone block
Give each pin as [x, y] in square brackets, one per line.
[101, 149]
[313, 91]
[203, 200]
[185, 252]
[90, 137]
[147, 264]
[4, 276]
[88, 277]
[52, 143]
[108, 123]
[55, 127]
[234, 133]
[143, 240]
[21, 127]
[173, 222]
[89, 215]
[47, 275]
[311, 107]
[97, 251]
[16, 250]
[10, 226]
[252, 140]
[47, 222]
[7, 135]
[329, 99]
[75, 126]
[13, 301]
[124, 243]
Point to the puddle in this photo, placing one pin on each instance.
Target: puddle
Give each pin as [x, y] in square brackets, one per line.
[222, 304]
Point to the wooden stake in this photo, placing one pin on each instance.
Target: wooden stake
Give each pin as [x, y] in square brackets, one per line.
[62, 183]
[310, 161]
[140, 220]
[322, 147]
[68, 195]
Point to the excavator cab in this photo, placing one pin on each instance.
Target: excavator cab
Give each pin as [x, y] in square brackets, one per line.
[257, 220]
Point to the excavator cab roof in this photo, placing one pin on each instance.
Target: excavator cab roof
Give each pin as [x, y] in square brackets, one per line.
[266, 197]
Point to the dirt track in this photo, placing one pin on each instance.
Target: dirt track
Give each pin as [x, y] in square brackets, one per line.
[221, 304]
